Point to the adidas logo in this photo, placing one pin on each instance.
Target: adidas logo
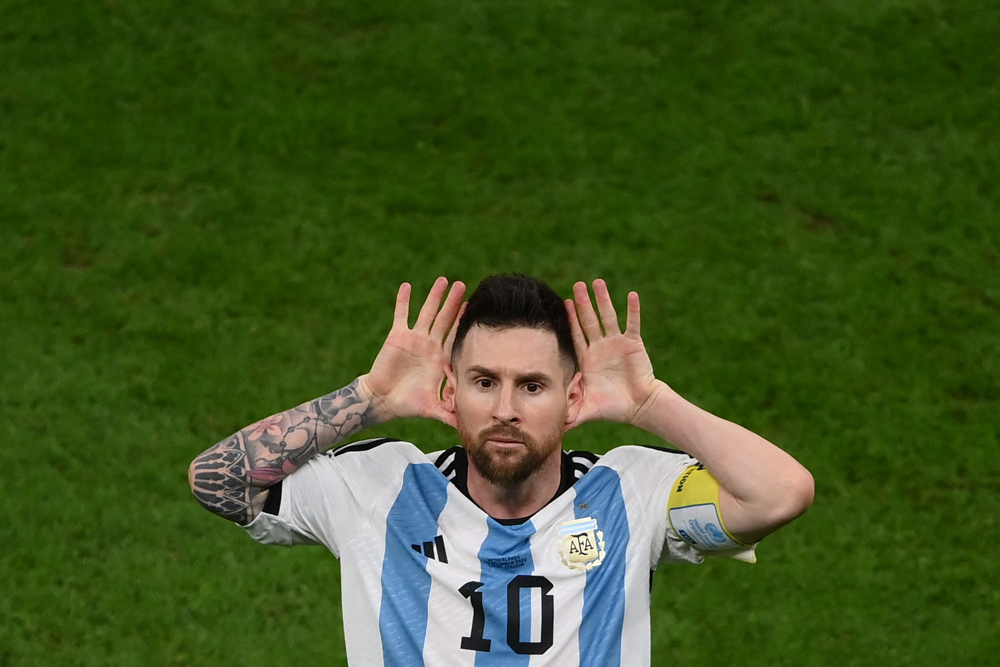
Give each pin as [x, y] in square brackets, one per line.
[433, 550]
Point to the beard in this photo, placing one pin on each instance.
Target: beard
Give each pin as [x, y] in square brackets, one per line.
[507, 467]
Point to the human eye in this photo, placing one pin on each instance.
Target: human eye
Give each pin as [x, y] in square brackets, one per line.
[484, 383]
[532, 387]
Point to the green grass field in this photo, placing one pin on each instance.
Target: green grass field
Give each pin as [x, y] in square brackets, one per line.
[206, 208]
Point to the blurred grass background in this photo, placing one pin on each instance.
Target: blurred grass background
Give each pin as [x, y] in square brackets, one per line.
[206, 207]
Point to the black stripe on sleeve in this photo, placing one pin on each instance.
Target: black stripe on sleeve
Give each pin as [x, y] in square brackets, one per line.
[272, 505]
[668, 450]
[362, 446]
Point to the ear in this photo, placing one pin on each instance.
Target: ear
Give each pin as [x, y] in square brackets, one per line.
[448, 392]
[574, 398]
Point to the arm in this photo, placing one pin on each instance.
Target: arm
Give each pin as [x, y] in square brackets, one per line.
[761, 487]
[232, 477]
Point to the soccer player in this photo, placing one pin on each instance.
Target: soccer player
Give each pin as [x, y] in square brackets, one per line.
[506, 550]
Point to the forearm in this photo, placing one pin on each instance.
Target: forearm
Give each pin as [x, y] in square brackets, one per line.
[762, 487]
[231, 478]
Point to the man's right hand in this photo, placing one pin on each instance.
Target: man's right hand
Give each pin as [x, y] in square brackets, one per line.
[406, 378]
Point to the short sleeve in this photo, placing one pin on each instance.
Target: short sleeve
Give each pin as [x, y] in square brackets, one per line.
[332, 498]
[649, 473]
[679, 549]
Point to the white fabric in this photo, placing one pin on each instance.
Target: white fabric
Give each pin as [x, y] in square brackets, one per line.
[365, 503]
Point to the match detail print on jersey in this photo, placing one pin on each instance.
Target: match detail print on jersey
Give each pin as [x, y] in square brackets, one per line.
[693, 510]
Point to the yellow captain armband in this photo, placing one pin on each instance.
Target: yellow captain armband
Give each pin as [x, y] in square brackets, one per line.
[694, 514]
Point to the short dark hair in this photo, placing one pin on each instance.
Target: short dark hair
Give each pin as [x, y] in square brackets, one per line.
[510, 300]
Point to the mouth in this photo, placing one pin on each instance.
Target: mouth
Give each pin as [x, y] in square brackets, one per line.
[504, 442]
[507, 440]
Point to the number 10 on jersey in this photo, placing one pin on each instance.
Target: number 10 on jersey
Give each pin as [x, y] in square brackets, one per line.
[475, 641]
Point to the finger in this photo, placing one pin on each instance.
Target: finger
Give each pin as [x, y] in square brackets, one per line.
[579, 341]
[449, 343]
[446, 317]
[402, 312]
[430, 307]
[585, 309]
[632, 320]
[609, 318]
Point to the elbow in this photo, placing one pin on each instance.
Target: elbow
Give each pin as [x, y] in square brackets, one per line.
[191, 477]
[788, 499]
[799, 492]
[205, 481]
[195, 483]
[785, 499]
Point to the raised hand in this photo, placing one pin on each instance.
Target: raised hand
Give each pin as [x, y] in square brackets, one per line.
[232, 477]
[618, 380]
[406, 378]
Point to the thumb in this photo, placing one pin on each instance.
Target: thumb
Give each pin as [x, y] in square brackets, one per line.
[586, 413]
[581, 417]
[443, 415]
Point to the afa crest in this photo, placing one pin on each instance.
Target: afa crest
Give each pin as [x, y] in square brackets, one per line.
[581, 544]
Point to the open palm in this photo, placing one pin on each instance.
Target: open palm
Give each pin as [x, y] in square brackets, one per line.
[406, 378]
[617, 375]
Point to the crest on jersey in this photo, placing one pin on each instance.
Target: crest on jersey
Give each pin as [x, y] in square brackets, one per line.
[581, 544]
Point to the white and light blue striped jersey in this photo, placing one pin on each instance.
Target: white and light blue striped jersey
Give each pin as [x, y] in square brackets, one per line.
[428, 578]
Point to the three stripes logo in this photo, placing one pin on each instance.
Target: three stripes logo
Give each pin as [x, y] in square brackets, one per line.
[434, 550]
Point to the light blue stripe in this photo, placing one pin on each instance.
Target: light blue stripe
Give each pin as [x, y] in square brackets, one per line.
[504, 554]
[578, 526]
[604, 596]
[406, 585]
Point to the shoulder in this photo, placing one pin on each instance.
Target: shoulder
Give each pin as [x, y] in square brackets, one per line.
[373, 457]
[645, 470]
[376, 448]
[628, 456]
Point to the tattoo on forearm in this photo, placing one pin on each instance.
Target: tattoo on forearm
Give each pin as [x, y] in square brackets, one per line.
[230, 476]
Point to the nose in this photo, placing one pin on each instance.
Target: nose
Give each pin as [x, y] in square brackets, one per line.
[505, 409]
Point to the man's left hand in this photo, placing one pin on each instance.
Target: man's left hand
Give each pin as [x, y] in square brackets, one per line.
[618, 380]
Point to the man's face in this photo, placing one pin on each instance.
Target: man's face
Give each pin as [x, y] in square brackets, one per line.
[511, 395]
